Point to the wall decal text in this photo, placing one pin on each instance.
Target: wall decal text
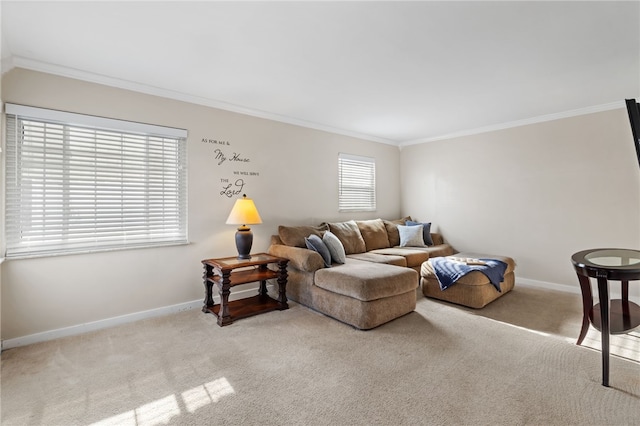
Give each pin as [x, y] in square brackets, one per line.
[215, 141]
[236, 157]
[222, 155]
[229, 189]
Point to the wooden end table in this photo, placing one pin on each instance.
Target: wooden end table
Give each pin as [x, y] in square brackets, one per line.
[609, 317]
[227, 272]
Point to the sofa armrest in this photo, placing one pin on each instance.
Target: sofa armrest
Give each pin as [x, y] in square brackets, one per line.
[300, 258]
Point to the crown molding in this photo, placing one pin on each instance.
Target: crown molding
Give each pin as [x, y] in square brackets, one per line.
[519, 123]
[19, 62]
[11, 62]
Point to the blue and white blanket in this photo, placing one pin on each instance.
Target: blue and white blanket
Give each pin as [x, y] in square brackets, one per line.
[449, 271]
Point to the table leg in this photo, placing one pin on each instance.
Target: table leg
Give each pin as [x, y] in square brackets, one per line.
[262, 291]
[282, 285]
[626, 312]
[587, 305]
[625, 290]
[603, 293]
[225, 289]
[208, 290]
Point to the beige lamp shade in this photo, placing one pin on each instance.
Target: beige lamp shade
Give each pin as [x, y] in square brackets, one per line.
[244, 212]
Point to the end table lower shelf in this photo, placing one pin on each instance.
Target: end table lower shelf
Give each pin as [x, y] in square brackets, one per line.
[624, 316]
[230, 271]
[247, 307]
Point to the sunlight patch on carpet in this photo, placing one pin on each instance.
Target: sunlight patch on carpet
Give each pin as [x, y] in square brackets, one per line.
[530, 330]
[163, 410]
[206, 394]
[625, 346]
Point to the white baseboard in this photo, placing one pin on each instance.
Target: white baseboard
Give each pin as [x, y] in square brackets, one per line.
[614, 288]
[197, 304]
[124, 319]
[548, 286]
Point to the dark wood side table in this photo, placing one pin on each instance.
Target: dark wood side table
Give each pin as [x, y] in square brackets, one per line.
[609, 317]
[230, 271]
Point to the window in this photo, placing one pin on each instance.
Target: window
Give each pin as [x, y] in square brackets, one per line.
[77, 183]
[357, 183]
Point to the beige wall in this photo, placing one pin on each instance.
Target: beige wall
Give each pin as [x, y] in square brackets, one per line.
[296, 183]
[538, 193]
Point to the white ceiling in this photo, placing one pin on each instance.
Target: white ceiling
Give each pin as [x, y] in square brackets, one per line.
[395, 72]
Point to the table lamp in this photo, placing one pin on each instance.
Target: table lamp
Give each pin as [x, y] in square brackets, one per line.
[244, 213]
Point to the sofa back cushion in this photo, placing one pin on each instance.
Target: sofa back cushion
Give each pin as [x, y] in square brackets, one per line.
[373, 233]
[437, 238]
[392, 230]
[294, 235]
[349, 235]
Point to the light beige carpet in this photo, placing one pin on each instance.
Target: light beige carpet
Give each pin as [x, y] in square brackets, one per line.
[514, 362]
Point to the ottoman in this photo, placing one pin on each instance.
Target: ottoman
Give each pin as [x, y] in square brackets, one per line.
[473, 289]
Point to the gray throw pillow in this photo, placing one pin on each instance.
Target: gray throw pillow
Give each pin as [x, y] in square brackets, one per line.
[426, 231]
[314, 243]
[411, 236]
[335, 247]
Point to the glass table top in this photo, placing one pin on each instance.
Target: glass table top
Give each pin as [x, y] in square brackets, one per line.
[613, 257]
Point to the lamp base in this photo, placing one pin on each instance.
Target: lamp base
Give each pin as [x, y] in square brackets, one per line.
[244, 241]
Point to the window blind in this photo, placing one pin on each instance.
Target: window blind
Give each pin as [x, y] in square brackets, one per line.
[357, 183]
[76, 183]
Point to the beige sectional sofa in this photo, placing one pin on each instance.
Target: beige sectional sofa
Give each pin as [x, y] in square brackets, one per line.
[368, 289]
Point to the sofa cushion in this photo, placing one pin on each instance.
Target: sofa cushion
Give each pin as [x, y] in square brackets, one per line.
[363, 315]
[373, 233]
[389, 259]
[294, 235]
[335, 247]
[411, 236]
[315, 243]
[413, 255]
[392, 230]
[426, 231]
[366, 280]
[434, 251]
[349, 235]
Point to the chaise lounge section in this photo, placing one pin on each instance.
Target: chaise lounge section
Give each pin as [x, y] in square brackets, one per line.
[364, 294]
